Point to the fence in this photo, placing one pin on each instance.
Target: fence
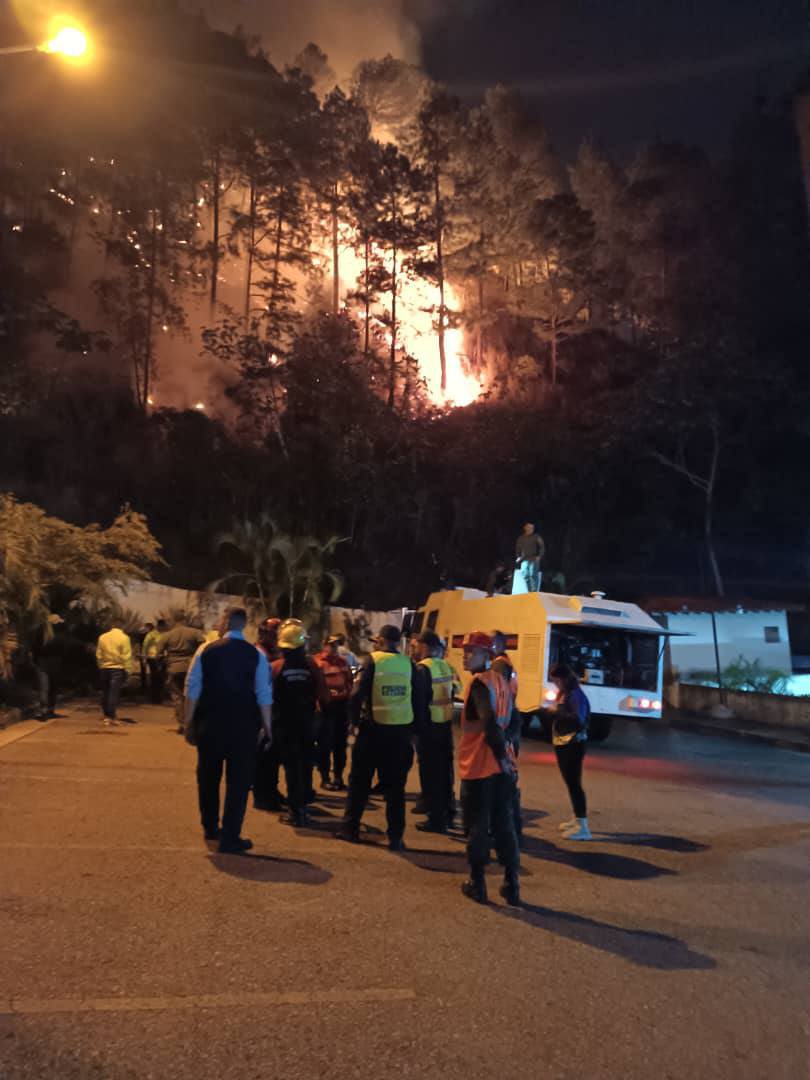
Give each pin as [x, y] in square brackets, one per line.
[769, 710]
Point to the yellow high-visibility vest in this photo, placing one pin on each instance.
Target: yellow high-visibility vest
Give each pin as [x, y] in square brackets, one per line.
[442, 679]
[391, 690]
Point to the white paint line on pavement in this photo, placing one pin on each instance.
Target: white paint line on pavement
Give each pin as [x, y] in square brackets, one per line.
[154, 848]
[30, 1006]
[19, 731]
[116, 780]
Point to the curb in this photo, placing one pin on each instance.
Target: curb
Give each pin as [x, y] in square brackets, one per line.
[779, 739]
[19, 731]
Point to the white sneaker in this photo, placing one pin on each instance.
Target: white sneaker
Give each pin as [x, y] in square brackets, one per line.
[580, 832]
[566, 825]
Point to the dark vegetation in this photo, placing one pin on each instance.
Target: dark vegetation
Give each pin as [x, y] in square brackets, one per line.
[641, 329]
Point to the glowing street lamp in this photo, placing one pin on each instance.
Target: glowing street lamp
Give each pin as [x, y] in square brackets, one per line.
[68, 41]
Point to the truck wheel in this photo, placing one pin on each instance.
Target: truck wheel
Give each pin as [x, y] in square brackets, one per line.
[599, 727]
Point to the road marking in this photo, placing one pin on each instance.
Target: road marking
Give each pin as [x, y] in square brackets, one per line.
[116, 780]
[22, 846]
[19, 731]
[31, 1006]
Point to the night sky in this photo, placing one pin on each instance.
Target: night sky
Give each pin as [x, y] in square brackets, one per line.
[623, 71]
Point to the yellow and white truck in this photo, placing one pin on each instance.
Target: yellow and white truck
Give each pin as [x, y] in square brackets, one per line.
[615, 648]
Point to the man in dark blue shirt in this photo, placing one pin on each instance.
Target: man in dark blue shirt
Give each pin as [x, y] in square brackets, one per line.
[228, 698]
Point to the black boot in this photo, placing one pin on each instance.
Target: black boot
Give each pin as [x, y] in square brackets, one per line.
[476, 887]
[510, 890]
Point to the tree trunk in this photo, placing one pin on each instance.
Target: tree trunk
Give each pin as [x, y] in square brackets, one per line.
[251, 250]
[150, 313]
[367, 296]
[479, 333]
[553, 350]
[335, 254]
[439, 211]
[392, 374]
[215, 235]
[277, 251]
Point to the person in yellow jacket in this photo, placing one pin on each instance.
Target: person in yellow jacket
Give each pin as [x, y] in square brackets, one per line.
[381, 709]
[434, 725]
[113, 656]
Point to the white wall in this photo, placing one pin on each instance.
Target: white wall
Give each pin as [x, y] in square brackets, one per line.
[150, 600]
[738, 634]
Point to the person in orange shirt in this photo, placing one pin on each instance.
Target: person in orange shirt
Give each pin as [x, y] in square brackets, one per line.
[335, 720]
[486, 766]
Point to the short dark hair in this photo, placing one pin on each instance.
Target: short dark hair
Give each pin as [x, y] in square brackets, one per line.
[237, 618]
[431, 639]
[565, 674]
[391, 633]
[161, 624]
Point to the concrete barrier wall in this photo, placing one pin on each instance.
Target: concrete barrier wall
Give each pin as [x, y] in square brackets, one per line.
[774, 710]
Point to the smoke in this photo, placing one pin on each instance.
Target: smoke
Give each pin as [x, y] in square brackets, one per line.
[348, 31]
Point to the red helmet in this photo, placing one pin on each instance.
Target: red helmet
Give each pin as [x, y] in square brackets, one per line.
[478, 640]
[269, 628]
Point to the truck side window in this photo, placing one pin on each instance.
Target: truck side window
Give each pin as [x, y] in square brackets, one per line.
[416, 622]
[433, 618]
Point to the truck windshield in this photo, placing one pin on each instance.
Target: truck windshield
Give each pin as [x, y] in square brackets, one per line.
[607, 657]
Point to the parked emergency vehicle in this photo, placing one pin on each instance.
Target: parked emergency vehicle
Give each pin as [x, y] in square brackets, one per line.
[615, 648]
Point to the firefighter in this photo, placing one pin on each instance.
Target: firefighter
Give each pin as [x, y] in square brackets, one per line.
[381, 708]
[298, 690]
[505, 668]
[435, 731]
[486, 767]
[335, 720]
[266, 795]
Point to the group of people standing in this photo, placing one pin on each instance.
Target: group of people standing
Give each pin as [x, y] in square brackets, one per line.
[253, 710]
[166, 654]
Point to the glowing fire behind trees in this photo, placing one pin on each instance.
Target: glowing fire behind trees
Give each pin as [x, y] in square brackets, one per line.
[418, 305]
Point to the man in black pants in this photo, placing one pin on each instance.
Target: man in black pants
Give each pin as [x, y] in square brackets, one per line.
[228, 697]
[570, 738]
[503, 665]
[266, 795]
[486, 766]
[298, 691]
[434, 725]
[382, 707]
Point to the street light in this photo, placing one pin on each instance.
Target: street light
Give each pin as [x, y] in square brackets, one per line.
[69, 41]
[66, 40]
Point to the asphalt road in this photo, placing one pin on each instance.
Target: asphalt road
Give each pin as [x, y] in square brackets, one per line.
[677, 944]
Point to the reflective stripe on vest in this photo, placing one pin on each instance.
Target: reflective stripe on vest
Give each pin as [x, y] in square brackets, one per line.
[475, 759]
[441, 679]
[391, 690]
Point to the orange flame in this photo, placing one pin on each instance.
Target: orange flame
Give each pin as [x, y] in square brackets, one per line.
[418, 303]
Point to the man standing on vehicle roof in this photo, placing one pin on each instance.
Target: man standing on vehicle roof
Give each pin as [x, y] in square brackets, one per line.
[434, 723]
[486, 766]
[529, 552]
[388, 689]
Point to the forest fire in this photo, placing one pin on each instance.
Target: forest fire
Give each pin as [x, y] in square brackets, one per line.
[418, 303]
